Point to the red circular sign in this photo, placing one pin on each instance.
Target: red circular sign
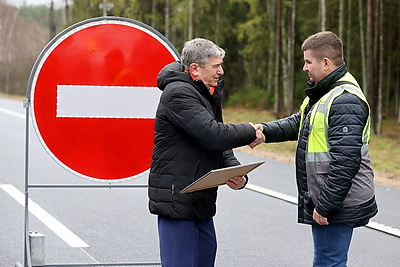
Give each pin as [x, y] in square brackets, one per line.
[83, 72]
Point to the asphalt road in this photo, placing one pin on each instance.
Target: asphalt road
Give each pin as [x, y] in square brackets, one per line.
[114, 225]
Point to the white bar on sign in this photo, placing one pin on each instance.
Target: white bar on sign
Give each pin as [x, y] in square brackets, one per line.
[87, 101]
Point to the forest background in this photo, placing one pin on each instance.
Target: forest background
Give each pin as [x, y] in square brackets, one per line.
[263, 64]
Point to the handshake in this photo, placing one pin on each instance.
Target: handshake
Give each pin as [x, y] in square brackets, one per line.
[260, 137]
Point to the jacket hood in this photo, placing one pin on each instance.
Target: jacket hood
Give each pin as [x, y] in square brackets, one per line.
[171, 72]
[317, 90]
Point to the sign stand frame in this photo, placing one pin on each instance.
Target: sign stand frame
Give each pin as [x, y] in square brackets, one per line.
[28, 186]
[27, 243]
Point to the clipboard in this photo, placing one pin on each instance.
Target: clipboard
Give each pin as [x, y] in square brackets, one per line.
[219, 176]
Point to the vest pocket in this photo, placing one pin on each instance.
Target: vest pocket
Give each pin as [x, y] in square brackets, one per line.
[317, 172]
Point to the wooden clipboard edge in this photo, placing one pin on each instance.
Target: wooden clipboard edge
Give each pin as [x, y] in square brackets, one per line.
[184, 191]
[200, 188]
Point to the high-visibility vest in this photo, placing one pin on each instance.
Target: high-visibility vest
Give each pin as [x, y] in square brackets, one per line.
[317, 154]
[318, 146]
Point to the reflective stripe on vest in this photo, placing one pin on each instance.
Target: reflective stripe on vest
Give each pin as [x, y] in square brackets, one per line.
[318, 145]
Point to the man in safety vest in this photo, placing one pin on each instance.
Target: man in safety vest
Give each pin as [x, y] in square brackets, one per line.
[333, 170]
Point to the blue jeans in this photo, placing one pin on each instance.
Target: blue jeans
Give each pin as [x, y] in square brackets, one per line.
[331, 244]
[187, 243]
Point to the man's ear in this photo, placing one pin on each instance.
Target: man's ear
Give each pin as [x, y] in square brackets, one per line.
[194, 69]
[328, 64]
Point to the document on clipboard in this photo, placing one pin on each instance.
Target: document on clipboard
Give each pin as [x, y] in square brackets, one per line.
[219, 176]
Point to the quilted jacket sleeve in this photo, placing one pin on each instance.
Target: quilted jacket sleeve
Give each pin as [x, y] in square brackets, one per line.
[189, 111]
[286, 129]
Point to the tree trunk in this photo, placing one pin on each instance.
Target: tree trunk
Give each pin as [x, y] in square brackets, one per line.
[271, 11]
[217, 21]
[288, 61]
[348, 36]
[389, 88]
[284, 64]
[371, 67]
[363, 54]
[291, 58]
[341, 5]
[153, 13]
[67, 21]
[104, 8]
[166, 18]
[190, 24]
[380, 77]
[322, 10]
[52, 23]
[398, 76]
[277, 94]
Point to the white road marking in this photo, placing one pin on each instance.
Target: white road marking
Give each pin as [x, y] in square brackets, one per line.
[384, 228]
[58, 228]
[293, 200]
[124, 102]
[16, 114]
[271, 193]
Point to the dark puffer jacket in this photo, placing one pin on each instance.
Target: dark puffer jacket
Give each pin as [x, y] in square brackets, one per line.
[190, 140]
[347, 110]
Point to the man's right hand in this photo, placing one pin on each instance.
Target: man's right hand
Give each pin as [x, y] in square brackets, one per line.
[260, 137]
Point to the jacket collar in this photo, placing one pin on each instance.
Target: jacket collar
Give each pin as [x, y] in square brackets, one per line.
[317, 90]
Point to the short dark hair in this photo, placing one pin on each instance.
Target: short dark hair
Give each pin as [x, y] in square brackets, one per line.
[325, 44]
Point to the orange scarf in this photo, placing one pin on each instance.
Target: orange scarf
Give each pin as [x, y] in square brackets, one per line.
[211, 89]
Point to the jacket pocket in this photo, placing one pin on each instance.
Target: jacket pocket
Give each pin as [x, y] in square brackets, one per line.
[317, 173]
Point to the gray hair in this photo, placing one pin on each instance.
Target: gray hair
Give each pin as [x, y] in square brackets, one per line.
[200, 51]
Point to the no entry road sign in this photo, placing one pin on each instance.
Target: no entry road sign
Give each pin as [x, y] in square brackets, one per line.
[93, 96]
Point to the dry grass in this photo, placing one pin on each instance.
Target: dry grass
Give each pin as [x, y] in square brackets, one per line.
[385, 149]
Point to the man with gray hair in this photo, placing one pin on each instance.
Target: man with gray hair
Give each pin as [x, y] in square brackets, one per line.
[190, 140]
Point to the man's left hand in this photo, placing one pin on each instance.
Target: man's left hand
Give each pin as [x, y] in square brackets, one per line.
[321, 220]
[236, 182]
